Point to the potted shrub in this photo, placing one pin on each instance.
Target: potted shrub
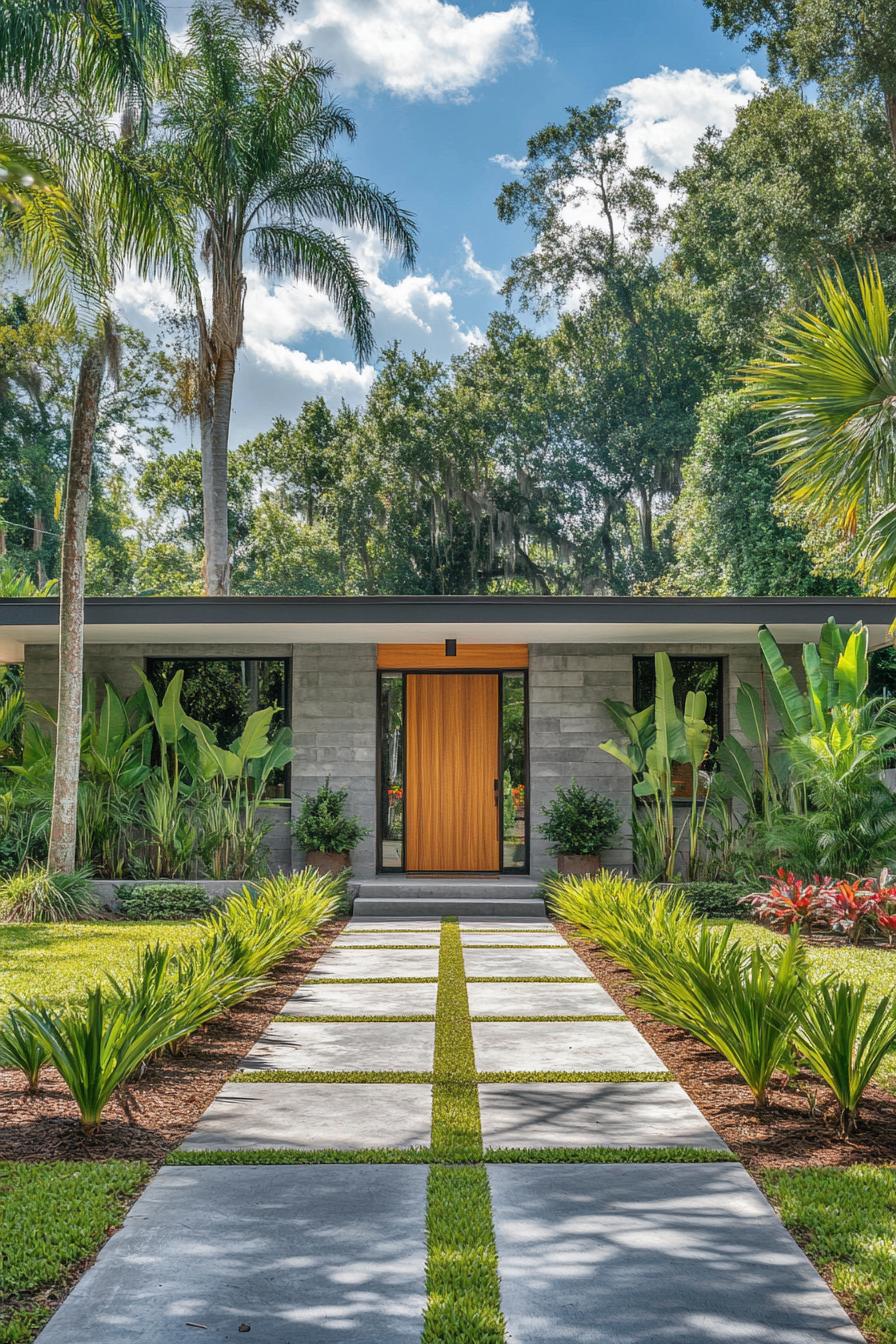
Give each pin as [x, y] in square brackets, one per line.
[578, 825]
[325, 831]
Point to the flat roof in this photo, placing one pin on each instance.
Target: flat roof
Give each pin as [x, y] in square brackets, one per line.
[516, 619]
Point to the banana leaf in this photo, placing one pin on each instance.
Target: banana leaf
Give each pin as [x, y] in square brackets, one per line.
[750, 713]
[670, 742]
[818, 688]
[736, 772]
[697, 732]
[253, 741]
[851, 671]
[791, 706]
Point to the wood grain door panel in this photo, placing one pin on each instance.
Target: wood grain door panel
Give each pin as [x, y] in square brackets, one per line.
[451, 734]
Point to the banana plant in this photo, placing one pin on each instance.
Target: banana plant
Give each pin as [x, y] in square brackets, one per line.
[660, 737]
[836, 676]
[237, 775]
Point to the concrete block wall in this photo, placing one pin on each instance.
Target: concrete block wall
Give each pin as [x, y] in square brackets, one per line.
[118, 663]
[334, 726]
[567, 686]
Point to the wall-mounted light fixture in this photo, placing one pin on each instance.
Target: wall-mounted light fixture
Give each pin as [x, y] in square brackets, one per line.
[450, 648]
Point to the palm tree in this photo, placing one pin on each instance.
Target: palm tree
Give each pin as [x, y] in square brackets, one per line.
[88, 205]
[247, 136]
[830, 389]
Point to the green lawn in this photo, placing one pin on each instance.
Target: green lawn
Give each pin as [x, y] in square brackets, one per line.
[873, 964]
[58, 961]
[845, 1217]
[53, 1215]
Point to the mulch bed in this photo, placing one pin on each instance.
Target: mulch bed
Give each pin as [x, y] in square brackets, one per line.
[787, 1132]
[169, 1098]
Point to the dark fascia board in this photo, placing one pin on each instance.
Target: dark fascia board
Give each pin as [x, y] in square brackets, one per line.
[489, 610]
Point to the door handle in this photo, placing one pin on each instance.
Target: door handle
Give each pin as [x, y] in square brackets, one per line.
[497, 793]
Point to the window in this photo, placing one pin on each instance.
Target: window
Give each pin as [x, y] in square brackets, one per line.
[691, 674]
[223, 692]
[391, 769]
[513, 760]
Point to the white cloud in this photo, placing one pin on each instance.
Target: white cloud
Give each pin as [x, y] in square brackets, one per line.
[509, 162]
[276, 371]
[416, 48]
[493, 280]
[666, 113]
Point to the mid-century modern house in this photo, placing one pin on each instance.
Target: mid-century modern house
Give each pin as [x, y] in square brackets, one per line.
[433, 711]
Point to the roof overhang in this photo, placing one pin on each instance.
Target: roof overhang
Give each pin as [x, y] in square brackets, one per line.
[177, 621]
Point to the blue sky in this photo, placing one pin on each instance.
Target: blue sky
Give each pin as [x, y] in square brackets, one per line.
[438, 90]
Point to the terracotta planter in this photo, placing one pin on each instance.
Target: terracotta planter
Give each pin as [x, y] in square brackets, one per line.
[332, 864]
[578, 865]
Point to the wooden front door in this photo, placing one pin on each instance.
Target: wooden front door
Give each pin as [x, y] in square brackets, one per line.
[451, 769]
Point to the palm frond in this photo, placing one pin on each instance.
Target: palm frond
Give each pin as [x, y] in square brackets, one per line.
[324, 261]
[108, 49]
[830, 387]
[327, 189]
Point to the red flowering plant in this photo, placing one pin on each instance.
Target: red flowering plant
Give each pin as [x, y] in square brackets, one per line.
[860, 906]
[789, 901]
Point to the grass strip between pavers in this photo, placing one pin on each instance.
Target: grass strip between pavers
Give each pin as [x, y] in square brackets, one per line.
[463, 1289]
[568, 1076]
[297, 1157]
[607, 1156]
[456, 1132]
[388, 947]
[355, 1017]
[463, 1296]
[549, 1017]
[328, 1076]
[370, 980]
[527, 979]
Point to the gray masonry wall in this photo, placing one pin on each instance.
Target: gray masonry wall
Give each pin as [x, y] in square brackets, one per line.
[334, 723]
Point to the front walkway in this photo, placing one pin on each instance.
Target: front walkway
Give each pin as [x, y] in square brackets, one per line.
[452, 1133]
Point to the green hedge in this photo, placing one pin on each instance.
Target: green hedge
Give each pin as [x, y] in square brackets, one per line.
[716, 900]
[163, 900]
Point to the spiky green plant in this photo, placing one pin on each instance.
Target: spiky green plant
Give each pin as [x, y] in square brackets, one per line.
[96, 1046]
[837, 1048]
[745, 1004]
[35, 896]
[21, 1048]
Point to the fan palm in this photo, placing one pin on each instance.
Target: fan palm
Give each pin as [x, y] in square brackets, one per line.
[247, 135]
[88, 205]
[830, 388]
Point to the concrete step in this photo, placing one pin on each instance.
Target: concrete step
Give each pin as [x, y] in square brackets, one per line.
[504, 897]
[435, 907]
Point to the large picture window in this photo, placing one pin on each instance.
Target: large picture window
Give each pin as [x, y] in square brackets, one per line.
[223, 692]
[691, 674]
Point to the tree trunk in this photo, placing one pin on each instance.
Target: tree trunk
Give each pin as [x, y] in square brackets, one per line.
[645, 519]
[214, 421]
[64, 823]
[890, 106]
